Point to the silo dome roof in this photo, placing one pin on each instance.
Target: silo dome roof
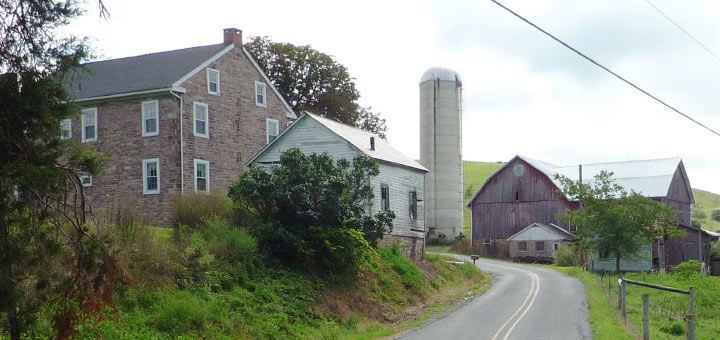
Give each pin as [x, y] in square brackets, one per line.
[441, 73]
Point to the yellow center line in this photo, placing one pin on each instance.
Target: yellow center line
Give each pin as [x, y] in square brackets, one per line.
[534, 288]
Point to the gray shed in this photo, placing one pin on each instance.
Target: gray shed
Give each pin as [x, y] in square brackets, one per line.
[538, 242]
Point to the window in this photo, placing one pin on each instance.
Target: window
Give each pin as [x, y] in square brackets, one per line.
[540, 245]
[202, 176]
[604, 254]
[65, 129]
[272, 129]
[260, 99]
[200, 112]
[86, 180]
[413, 204]
[150, 118]
[89, 125]
[522, 246]
[151, 176]
[556, 246]
[213, 78]
[384, 197]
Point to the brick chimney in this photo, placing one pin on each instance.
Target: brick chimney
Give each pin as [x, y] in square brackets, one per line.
[232, 36]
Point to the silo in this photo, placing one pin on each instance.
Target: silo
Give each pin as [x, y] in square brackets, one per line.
[441, 151]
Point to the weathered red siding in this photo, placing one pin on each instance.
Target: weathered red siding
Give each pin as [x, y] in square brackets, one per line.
[513, 199]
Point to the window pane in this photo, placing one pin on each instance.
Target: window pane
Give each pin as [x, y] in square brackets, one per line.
[90, 132]
[152, 183]
[200, 127]
[202, 184]
[539, 245]
[150, 125]
[201, 172]
[152, 169]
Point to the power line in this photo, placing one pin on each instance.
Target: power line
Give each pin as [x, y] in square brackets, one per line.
[683, 30]
[604, 68]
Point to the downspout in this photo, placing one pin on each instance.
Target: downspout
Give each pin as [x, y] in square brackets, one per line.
[182, 145]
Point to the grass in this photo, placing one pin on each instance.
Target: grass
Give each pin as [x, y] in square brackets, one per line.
[666, 308]
[475, 174]
[706, 202]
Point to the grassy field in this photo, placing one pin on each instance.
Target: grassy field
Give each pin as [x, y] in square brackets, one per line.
[667, 309]
[706, 201]
[477, 172]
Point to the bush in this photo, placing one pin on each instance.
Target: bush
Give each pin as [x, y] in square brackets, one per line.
[178, 312]
[688, 268]
[566, 257]
[195, 211]
[338, 252]
[675, 328]
[230, 243]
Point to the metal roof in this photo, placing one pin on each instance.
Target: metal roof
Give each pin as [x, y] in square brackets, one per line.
[560, 233]
[440, 73]
[360, 139]
[140, 73]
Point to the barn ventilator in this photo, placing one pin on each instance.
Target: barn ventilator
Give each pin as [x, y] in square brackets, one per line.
[690, 319]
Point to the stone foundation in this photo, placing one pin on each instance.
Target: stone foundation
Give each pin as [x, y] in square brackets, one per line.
[412, 247]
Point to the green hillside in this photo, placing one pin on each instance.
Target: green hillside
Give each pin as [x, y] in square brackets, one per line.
[477, 172]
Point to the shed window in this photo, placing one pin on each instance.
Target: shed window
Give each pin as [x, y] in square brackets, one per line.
[200, 112]
[272, 129]
[150, 119]
[202, 175]
[89, 125]
[151, 176]
[260, 98]
[213, 80]
[384, 197]
[540, 245]
[604, 254]
[413, 204]
[522, 246]
[86, 180]
[65, 129]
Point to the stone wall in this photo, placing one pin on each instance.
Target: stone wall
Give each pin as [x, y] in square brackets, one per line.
[412, 247]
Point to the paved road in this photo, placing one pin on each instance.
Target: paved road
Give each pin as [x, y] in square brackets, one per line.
[524, 302]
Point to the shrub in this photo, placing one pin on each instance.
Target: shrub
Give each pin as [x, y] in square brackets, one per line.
[230, 243]
[566, 257]
[338, 252]
[688, 268]
[178, 312]
[195, 211]
[462, 246]
[675, 328]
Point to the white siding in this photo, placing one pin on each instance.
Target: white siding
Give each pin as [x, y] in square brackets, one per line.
[401, 181]
[642, 261]
[311, 137]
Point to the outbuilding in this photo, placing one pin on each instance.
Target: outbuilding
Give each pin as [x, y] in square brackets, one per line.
[538, 242]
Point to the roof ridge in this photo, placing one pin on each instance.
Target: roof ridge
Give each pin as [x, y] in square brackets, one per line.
[149, 54]
[315, 115]
[617, 162]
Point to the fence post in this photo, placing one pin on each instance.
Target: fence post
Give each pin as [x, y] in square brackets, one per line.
[624, 299]
[691, 321]
[619, 292]
[646, 316]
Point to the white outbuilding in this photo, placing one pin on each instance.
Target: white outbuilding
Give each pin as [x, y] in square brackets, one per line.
[400, 186]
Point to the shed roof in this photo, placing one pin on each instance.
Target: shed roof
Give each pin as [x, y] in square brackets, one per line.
[530, 233]
[651, 178]
[359, 139]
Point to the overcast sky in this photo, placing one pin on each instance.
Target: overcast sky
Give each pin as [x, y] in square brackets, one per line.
[524, 93]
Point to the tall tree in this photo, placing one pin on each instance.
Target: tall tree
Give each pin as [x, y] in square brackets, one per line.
[313, 81]
[37, 170]
[613, 220]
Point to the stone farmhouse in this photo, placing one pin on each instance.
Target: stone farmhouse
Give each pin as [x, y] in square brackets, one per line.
[399, 186]
[173, 122]
[524, 192]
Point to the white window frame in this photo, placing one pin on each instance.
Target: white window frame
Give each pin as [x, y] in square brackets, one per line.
[82, 180]
[66, 125]
[195, 178]
[207, 120]
[145, 133]
[145, 162]
[267, 129]
[209, 71]
[93, 111]
[383, 207]
[264, 94]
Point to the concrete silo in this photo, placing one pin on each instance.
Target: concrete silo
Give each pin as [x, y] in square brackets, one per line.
[441, 151]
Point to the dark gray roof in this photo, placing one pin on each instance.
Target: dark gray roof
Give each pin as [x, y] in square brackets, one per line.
[140, 73]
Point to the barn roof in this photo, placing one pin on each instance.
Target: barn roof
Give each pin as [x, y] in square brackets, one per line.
[359, 139]
[651, 178]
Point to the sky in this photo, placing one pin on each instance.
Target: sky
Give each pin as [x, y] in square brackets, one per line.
[523, 92]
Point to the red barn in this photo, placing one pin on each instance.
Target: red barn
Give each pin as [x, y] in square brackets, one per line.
[524, 191]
